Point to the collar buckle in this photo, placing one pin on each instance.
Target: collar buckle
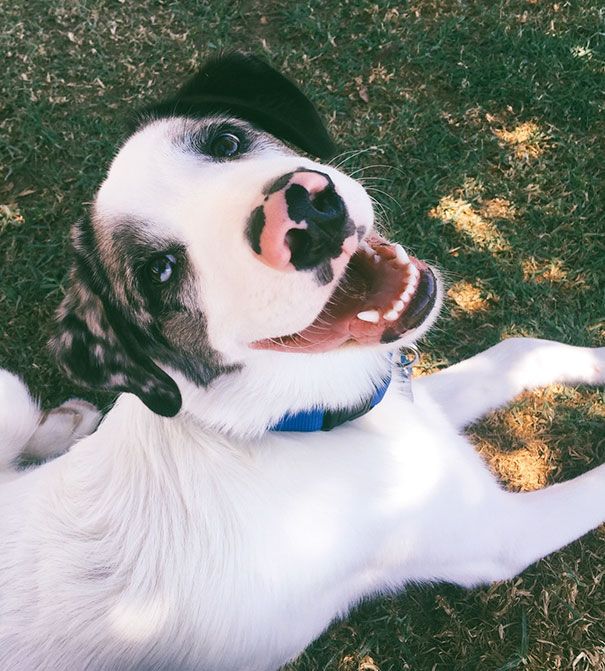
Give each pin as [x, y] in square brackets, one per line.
[408, 357]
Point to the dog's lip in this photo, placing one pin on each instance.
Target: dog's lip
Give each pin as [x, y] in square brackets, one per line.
[383, 294]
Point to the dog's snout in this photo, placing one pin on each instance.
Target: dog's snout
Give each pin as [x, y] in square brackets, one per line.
[302, 222]
[323, 213]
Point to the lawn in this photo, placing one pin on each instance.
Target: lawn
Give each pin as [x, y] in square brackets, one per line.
[478, 127]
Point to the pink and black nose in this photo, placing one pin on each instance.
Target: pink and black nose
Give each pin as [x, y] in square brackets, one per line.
[302, 224]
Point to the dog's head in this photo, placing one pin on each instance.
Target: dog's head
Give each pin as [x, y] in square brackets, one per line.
[212, 241]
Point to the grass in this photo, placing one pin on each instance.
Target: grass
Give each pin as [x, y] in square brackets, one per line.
[482, 127]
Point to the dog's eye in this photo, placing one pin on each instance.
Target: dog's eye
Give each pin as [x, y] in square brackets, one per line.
[225, 145]
[161, 268]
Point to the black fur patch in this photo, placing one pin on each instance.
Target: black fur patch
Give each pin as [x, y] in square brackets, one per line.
[248, 88]
[113, 326]
[255, 226]
[324, 273]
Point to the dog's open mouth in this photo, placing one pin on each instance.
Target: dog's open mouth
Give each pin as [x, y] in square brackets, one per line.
[383, 294]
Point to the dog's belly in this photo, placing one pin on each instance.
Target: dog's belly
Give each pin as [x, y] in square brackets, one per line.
[227, 557]
[222, 594]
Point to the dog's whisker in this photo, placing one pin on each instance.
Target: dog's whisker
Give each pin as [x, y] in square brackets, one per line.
[374, 189]
[384, 215]
[359, 172]
[364, 180]
[351, 154]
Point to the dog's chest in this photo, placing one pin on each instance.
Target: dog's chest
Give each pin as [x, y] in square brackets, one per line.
[215, 555]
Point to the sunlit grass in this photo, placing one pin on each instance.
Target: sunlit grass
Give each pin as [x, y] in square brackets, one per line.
[525, 139]
[482, 233]
[468, 297]
[544, 271]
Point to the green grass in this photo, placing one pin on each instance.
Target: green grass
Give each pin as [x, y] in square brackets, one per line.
[483, 124]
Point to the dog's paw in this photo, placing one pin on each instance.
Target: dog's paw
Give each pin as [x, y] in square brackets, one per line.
[589, 365]
[88, 413]
[60, 428]
[599, 365]
[19, 416]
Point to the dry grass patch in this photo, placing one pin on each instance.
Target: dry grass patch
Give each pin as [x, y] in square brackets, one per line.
[544, 271]
[526, 139]
[466, 220]
[497, 208]
[469, 297]
[358, 663]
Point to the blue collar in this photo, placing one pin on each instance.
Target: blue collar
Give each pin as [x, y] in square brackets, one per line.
[323, 419]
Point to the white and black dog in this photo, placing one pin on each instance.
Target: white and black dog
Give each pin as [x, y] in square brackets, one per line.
[240, 297]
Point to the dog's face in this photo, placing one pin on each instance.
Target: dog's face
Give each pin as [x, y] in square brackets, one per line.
[211, 239]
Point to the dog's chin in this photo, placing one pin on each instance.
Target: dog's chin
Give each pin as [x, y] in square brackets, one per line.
[383, 297]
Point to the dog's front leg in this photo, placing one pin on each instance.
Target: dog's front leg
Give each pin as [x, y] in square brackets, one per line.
[528, 526]
[472, 532]
[28, 434]
[470, 389]
[19, 417]
[60, 428]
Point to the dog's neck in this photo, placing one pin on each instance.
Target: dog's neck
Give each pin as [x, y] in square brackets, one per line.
[272, 384]
[216, 424]
[326, 419]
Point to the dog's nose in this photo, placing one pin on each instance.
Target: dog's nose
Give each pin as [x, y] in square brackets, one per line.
[302, 222]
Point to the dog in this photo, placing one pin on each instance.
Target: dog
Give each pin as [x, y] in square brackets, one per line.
[239, 297]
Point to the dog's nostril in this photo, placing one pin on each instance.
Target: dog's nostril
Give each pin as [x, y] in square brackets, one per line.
[327, 201]
[299, 243]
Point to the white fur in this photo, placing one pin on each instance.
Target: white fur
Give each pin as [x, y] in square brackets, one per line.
[207, 207]
[205, 542]
[19, 416]
[156, 543]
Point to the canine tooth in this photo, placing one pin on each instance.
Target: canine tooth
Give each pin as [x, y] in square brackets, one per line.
[371, 316]
[376, 258]
[398, 306]
[401, 254]
[366, 248]
[391, 316]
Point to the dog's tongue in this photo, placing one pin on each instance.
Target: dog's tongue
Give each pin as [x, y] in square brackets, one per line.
[383, 294]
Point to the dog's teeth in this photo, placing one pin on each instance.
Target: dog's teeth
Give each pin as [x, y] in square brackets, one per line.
[391, 315]
[376, 258]
[363, 245]
[414, 272]
[405, 295]
[398, 306]
[401, 254]
[371, 316]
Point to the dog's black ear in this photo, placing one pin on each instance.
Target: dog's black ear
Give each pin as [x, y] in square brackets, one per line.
[99, 347]
[247, 87]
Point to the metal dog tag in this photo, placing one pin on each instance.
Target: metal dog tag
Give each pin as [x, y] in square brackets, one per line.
[408, 357]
